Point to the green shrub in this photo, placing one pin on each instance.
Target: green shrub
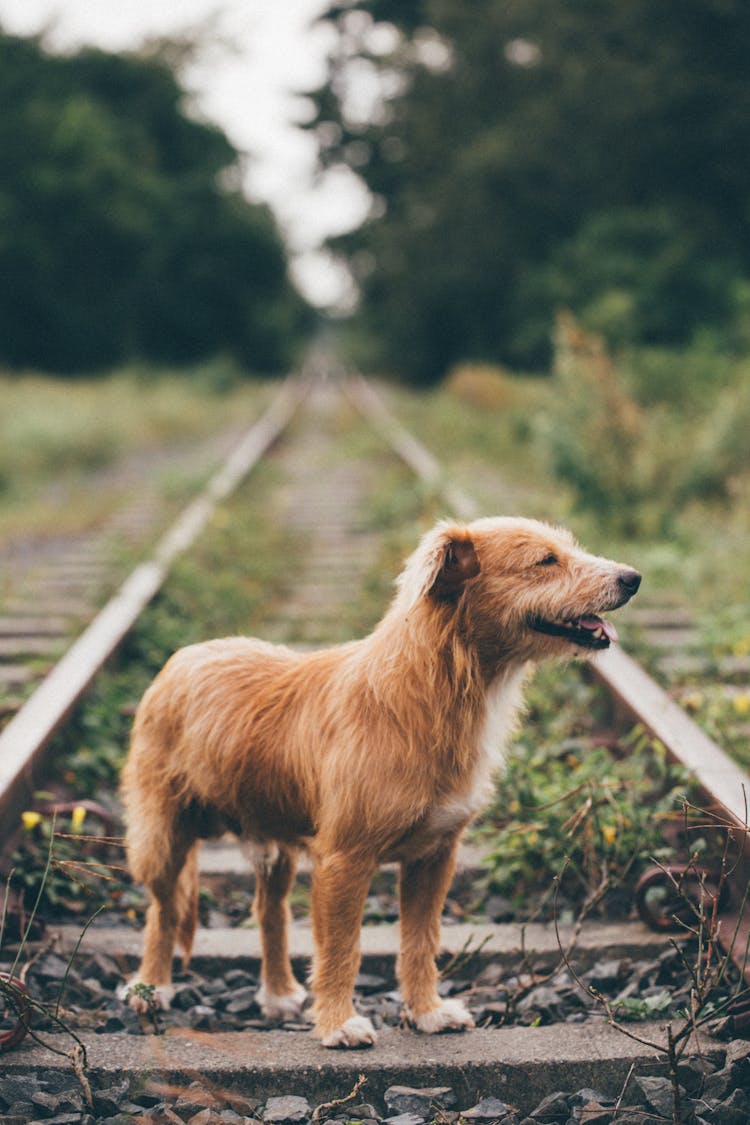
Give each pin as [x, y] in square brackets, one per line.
[594, 430]
[720, 451]
[635, 460]
[684, 378]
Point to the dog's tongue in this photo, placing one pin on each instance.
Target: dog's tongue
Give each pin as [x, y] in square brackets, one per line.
[593, 623]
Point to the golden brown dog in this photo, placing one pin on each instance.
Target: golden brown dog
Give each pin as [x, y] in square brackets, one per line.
[381, 749]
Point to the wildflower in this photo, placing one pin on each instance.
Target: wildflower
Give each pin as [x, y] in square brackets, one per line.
[31, 819]
[77, 818]
[609, 832]
[741, 703]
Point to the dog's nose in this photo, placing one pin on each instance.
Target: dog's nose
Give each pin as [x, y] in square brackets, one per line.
[629, 580]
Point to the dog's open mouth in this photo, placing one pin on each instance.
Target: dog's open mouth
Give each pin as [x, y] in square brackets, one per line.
[588, 632]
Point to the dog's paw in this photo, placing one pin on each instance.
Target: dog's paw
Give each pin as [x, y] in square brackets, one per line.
[357, 1031]
[144, 997]
[280, 1006]
[450, 1015]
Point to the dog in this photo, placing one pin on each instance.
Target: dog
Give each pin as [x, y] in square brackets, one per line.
[380, 749]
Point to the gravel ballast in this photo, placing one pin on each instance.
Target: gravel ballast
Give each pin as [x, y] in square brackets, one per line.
[714, 1089]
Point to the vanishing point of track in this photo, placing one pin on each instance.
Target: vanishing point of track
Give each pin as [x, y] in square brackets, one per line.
[325, 498]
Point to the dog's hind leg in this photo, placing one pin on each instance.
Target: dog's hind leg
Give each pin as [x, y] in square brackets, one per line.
[423, 886]
[187, 903]
[340, 886]
[279, 994]
[158, 861]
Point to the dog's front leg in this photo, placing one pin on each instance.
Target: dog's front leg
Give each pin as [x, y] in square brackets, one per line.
[423, 886]
[340, 886]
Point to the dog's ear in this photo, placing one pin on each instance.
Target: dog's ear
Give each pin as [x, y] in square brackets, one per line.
[441, 564]
[460, 563]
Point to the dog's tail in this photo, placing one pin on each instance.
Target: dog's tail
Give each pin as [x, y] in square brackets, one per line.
[186, 903]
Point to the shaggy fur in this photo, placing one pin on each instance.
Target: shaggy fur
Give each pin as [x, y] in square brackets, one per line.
[381, 749]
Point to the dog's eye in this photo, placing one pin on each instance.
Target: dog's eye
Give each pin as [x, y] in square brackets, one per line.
[548, 560]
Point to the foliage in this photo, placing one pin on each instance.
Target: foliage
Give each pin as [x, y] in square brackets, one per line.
[639, 275]
[641, 1008]
[122, 231]
[627, 465]
[526, 155]
[483, 385]
[568, 799]
[596, 429]
[56, 867]
[721, 452]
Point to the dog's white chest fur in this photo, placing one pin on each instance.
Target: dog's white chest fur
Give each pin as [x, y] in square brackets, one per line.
[504, 700]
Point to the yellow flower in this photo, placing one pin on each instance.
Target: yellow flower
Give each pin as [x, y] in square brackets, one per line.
[77, 818]
[742, 703]
[30, 819]
[609, 832]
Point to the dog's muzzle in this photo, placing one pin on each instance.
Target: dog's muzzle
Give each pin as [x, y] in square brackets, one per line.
[590, 630]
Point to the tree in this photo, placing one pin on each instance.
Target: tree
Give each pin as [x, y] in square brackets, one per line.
[516, 140]
[117, 238]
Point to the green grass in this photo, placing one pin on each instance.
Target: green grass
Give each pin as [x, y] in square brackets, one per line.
[55, 433]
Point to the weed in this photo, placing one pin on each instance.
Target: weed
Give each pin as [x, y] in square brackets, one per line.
[705, 951]
[146, 994]
[15, 995]
[641, 1008]
[595, 433]
[63, 870]
[567, 794]
[322, 1112]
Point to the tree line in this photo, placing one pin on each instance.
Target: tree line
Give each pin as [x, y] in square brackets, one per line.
[527, 155]
[123, 230]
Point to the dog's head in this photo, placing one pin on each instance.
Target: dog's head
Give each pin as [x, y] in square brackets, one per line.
[517, 586]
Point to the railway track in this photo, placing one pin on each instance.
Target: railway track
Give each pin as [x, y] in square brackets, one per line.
[321, 501]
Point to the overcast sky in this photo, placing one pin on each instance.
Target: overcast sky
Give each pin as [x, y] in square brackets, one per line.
[265, 54]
